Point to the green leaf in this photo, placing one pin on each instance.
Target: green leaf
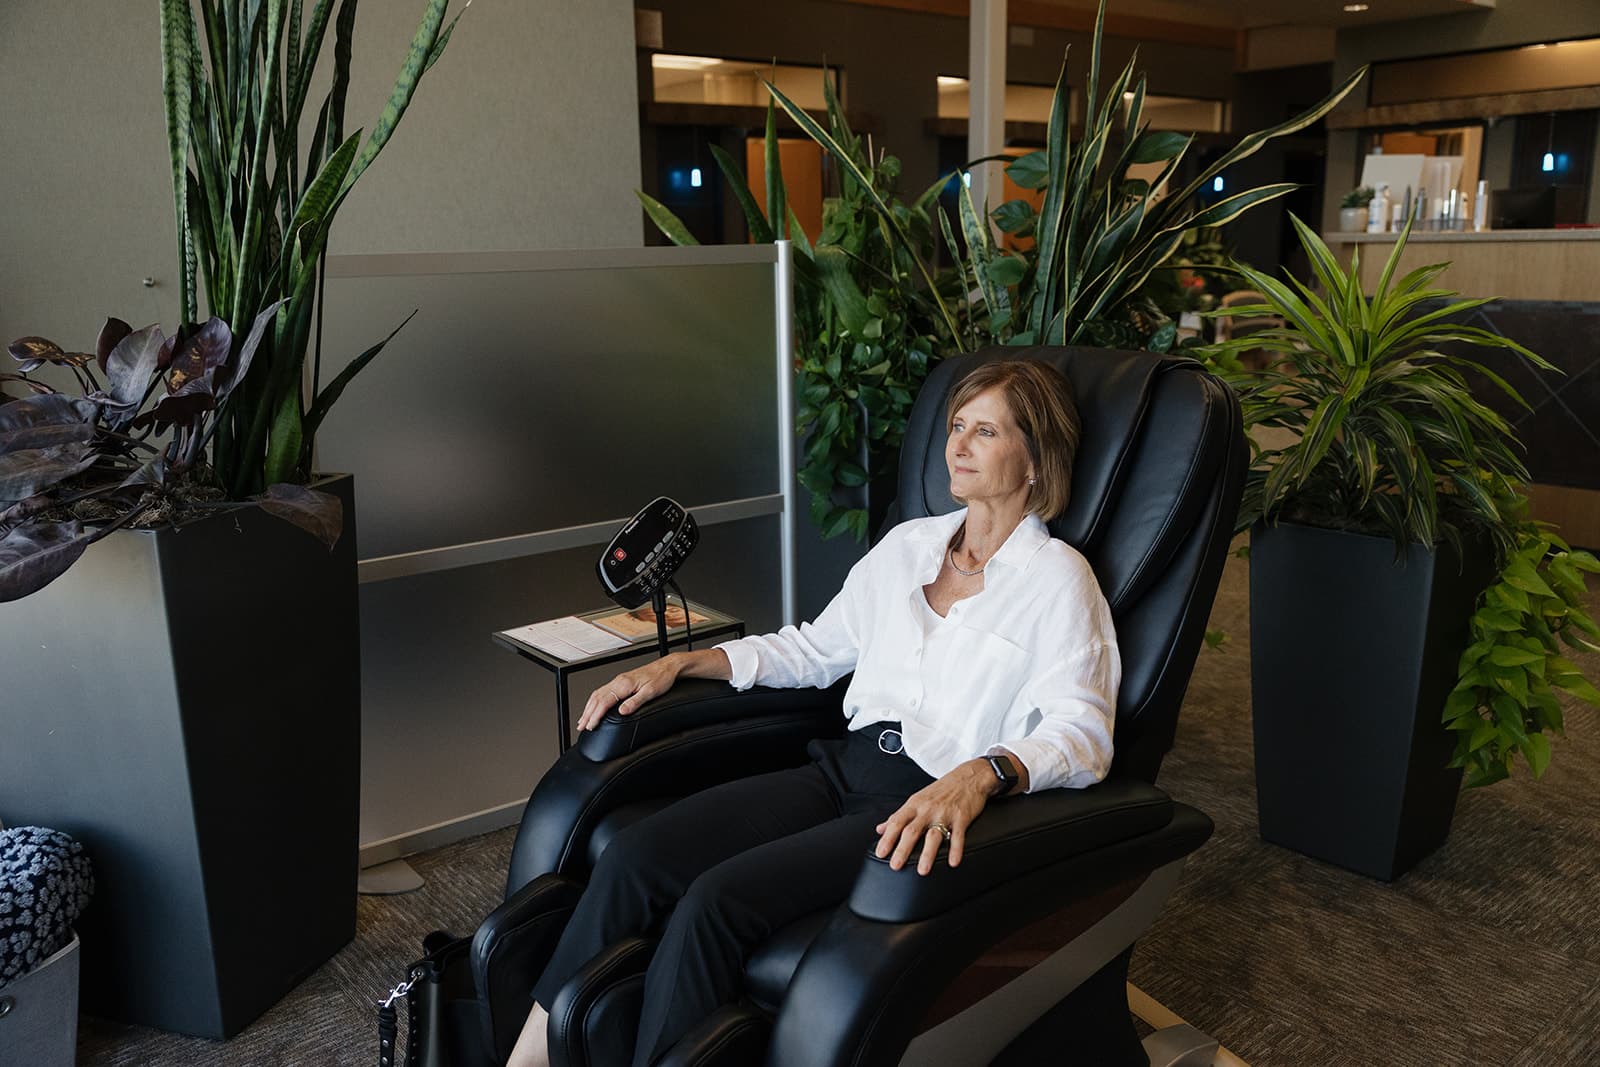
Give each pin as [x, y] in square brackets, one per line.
[1031, 171]
[1154, 146]
[774, 163]
[1536, 750]
[1503, 656]
[761, 230]
[1015, 217]
[418, 56]
[1579, 687]
[851, 474]
[834, 268]
[1584, 561]
[669, 224]
[177, 29]
[331, 392]
[1007, 270]
[1521, 574]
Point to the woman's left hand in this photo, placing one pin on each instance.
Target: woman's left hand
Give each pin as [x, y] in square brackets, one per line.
[954, 800]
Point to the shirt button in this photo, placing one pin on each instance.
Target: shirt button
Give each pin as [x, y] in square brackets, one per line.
[914, 701]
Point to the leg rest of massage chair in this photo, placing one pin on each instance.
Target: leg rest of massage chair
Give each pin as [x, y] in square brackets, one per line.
[595, 1017]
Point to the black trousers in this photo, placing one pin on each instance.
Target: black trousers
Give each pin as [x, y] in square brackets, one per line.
[718, 872]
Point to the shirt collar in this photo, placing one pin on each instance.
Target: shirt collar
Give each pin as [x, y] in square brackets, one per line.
[1029, 536]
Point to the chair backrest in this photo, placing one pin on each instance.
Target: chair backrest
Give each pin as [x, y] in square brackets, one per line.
[1155, 492]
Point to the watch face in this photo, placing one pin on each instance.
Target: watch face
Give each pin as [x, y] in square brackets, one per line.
[1004, 769]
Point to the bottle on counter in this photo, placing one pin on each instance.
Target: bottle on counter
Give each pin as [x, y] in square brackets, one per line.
[1378, 210]
[1480, 207]
[1421, 206]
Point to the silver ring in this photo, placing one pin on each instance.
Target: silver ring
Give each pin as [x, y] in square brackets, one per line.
[942, 828]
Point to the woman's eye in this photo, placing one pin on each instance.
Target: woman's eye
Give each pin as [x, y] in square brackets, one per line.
[987, 432]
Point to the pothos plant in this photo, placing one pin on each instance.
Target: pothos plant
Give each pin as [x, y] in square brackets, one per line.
[865, 332]
[253, 226]
[1505, 702]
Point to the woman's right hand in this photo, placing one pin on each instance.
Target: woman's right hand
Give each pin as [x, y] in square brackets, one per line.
[630, 689]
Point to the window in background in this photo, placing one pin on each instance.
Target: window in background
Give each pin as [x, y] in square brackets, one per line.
[1551, 164]
[732, 82]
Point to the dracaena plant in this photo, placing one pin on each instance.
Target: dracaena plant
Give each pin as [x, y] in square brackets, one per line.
[1388, 438]
[254, 206]
[1098, 236]
[865, 331]
[1387, 434]
[127, 449]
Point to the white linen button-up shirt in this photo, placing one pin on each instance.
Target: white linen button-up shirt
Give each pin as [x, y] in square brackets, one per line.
[1029, 665]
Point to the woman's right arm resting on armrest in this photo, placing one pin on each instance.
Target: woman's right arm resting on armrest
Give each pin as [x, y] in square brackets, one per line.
[813, 654]
[628, 690]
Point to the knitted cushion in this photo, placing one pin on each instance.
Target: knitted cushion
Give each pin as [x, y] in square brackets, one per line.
[45, 882]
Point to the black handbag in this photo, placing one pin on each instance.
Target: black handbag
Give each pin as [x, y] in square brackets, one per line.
[444, 1026]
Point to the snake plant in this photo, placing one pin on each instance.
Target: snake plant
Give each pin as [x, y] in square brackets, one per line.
[1099, 234]
[254, 205]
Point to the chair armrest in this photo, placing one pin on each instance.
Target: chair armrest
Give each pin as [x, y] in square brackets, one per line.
[864, 986]
[1012, 837]
[698, 702]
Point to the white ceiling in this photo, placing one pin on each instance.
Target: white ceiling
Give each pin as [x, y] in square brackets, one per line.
[1247, 14]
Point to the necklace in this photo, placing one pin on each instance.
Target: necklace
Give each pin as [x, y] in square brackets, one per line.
[951, 553]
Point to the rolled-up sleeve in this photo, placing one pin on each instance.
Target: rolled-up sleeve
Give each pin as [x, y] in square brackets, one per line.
[1076, 700]
[816, 653]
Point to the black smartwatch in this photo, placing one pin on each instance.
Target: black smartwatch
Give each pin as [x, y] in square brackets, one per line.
[1004, 770]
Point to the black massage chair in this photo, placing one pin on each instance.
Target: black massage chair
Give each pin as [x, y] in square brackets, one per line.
[1020, 955]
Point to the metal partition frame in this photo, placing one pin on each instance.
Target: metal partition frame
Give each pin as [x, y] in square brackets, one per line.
[780, 500]
[536, 402]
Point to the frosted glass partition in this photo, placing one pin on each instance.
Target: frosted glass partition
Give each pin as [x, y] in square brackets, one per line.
[534, 402]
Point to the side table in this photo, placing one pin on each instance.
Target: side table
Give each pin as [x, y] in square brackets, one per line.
[717, 624]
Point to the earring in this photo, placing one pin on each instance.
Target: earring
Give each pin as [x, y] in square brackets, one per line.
[1030, 481]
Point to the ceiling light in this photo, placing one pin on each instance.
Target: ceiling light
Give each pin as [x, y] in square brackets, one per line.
[1355, 7]
[668, 62]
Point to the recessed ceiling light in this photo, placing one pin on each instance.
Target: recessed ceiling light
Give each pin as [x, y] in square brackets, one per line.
[1355, 7]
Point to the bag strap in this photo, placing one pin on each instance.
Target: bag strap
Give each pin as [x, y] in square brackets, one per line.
[389, 1024]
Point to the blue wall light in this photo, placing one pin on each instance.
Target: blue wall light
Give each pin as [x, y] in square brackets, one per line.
[1549, 163]
[1216, 184]
[694, 177]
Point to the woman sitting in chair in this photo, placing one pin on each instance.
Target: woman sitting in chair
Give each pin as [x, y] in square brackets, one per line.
[985, 663]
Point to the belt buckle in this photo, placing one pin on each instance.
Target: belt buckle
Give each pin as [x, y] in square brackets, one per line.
[890, 742]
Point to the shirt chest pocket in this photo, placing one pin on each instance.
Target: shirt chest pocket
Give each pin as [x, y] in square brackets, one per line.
[976, 676]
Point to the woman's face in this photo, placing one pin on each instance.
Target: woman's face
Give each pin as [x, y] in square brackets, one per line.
[986, 452]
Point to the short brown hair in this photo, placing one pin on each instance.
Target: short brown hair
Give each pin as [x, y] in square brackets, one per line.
[1044, 408]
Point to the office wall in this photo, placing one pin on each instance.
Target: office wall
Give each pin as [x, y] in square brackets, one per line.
[524, 136]
[1507, 26]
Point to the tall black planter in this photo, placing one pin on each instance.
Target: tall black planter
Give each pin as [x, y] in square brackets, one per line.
[187, 703]
[1351, 658]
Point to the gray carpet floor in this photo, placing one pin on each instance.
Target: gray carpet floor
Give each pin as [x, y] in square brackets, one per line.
[1487, 953]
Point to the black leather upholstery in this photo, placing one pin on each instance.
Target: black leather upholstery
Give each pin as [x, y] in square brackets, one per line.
[1156, 488]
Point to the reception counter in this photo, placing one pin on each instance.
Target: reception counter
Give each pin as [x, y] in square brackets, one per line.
[1546, 290]
[1509, 264]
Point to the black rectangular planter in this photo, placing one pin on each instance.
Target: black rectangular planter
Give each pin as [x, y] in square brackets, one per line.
[1351, 658]
[186, 702]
